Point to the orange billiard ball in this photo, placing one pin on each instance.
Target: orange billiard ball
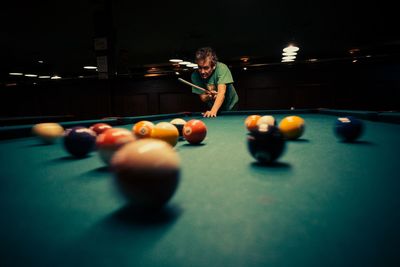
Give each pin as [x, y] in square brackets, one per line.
[251, 122]
[143, 129]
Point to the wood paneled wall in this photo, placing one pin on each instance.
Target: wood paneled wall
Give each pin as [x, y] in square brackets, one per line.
[341, 86]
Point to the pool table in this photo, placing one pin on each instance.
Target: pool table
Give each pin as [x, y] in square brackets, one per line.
[323, 203]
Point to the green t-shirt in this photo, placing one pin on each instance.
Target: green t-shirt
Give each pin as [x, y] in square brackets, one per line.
[221, 75]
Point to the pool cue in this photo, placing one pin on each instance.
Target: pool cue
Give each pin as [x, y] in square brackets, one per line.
[193, 85]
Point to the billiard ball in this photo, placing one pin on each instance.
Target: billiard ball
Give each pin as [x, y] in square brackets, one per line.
[100, 127]
[348, 128]
[270, 120]
[143, 129]
[195, 131]
[48, 132]
[167, 132]
[266, 144]
[111, 140]
[292, 127]
[79, 141]
[146, 172]
[179, 123]
[251, 122]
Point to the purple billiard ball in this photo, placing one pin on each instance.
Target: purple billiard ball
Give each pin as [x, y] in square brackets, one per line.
[348, 128]
[79, 141]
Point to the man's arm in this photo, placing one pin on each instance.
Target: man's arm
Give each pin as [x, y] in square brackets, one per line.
[220, 97]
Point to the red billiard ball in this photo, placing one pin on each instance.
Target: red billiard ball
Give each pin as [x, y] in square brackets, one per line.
[195, 131]
[146, 172]
[111, 140]
[79, 141]
[100, 128]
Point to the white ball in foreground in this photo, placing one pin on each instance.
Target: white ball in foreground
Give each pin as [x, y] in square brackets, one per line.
[147, 172]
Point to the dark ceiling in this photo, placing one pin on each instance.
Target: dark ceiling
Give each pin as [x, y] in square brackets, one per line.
[61, 32]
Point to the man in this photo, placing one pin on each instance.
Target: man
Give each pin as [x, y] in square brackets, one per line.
[217, 78]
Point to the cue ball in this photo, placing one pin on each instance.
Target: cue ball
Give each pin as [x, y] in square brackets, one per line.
[266, 144]
[195, 131]
[251, 122]
[292, 127]
[167, 132]
[348, 128]
[270, 120]
[79, 141]
[143, 129]
[146, 172]
[48, 132]
[111, 140]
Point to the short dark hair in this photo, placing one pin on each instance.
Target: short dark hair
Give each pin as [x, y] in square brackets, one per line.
[207, 52]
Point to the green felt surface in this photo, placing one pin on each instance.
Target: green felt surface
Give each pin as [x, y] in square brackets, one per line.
[325, 203]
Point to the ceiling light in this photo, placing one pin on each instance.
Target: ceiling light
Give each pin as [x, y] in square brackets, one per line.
[16, 73]
[89, 67]
[288, 57]
[55, 77]
[289, 53]
[184, 63]
[291, 48]
[44, 77]
[191, 65]
[30, 75]
[175, 60]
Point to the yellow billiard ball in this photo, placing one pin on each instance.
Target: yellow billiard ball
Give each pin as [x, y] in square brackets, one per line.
[48, 132]
[166, 131]
[292, 127]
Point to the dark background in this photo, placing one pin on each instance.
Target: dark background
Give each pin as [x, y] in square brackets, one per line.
[348, 55]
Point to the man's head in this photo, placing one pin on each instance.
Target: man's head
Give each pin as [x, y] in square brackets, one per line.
[206, 59]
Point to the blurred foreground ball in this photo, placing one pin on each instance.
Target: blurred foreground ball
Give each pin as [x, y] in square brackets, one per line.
[147, 172]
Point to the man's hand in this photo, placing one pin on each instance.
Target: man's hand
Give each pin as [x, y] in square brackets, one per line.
[209, 114]
[209, 96]
[213, 94]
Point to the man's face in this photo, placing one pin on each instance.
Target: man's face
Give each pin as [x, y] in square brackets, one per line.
[205, 68]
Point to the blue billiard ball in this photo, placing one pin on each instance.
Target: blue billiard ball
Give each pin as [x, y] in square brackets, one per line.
[266, 143]
[79, 141]
[348, 128]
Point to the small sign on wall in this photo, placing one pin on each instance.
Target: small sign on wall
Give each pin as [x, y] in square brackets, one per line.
[100, 44]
